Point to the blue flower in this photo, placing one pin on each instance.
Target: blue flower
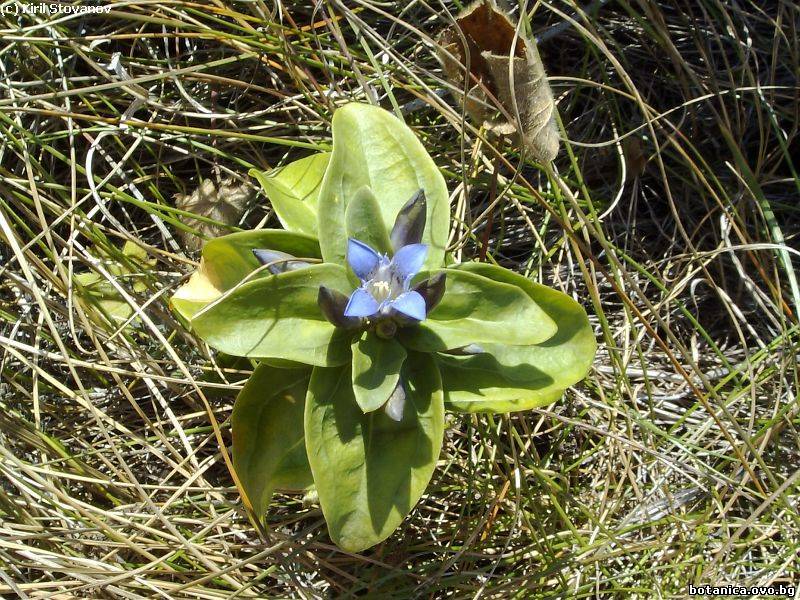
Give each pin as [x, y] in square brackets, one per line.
[384, 299]
[385, 282]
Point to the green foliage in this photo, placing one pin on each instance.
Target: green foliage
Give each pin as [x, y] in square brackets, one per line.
[363, 221]
[510, 378]
[477, 310]
[227, 260]
[495, 342]
[373, 148]
[376, 369]
[268, 443]
[674, 464]
[293, 191]
[370, 470]
[276, 316]
[107, 306]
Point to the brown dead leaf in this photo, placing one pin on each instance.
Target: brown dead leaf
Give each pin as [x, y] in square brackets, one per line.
[600, 165]
[513, 80]
[635, 157]
[224, 203]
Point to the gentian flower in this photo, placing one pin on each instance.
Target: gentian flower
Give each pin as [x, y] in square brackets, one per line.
[384, 298]
[385, 282]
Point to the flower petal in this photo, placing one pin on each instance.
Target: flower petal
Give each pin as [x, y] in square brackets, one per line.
[363, 259]
[361, 304]
[410, 304]
[409, 260]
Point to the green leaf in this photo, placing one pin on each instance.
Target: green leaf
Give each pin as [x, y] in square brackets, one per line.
[228, 259]
[478, 310]
[267, 425]
[376, 369]
[370, 471]
[293, 191]
[371, 147]
[363, 221]
[512, 378]
[277, 316]
[100, 299]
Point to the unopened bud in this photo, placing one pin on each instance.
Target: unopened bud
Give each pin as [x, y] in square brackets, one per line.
[468, 350]
[396, 403]
[279, 262]
[332, 305]
[410, 222]
[432, 290]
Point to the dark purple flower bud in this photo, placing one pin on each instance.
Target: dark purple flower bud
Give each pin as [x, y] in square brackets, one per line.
[332, 305]
[410, 222]
[431, 290]
[468, 350]
[279, 262]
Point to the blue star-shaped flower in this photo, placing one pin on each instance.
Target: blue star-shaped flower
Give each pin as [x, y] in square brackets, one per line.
[385, 282]
[384, 298]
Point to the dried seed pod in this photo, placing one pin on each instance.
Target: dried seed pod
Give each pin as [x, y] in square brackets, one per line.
[518, 81]
[224, 203]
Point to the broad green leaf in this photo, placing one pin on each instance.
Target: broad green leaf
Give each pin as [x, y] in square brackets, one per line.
[281, 363]
[512, 378]
[293, 191]
[371, 147]
[269, 450]
[363, 221]
[227, 260]
[277, 316]
[370, 471]
[376, 369]
[478, 310]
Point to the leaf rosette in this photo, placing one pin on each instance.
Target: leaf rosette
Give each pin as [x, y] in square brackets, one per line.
[362, 337]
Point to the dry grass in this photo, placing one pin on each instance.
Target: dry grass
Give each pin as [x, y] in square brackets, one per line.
[671, 214]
